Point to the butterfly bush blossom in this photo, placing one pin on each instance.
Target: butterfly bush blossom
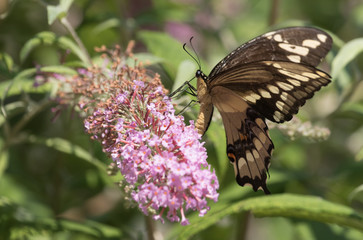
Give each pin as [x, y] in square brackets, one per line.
[161, 159]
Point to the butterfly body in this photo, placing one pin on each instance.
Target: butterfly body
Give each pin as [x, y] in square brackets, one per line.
[269, 77]
[206, 105]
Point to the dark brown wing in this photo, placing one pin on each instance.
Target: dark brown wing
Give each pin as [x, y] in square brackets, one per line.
[249, 146]
[276, 89]
[270, 76]
[296, 44]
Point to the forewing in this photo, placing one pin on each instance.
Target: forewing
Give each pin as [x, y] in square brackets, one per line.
[275, 89]
[249, 146]
[296, 44]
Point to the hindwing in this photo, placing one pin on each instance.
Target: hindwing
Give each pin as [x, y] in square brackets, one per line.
[249, 146]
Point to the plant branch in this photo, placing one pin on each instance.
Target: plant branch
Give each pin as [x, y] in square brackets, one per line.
[273, 12]
[70, 29]
[242, 225]
[279, 205]
[27, 117]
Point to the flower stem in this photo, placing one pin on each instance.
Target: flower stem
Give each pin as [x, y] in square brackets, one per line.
[150, 227]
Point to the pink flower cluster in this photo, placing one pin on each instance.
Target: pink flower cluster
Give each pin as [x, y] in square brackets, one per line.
[163, 163]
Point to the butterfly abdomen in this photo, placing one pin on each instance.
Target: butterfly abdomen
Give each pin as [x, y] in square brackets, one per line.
[206, 106]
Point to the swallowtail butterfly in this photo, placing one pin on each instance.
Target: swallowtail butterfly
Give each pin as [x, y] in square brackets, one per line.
[269, 77]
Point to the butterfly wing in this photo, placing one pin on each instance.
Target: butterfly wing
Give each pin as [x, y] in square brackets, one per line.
[276, 89]
[275, 72]
[303, 45]
[270, 77]
[249, 146]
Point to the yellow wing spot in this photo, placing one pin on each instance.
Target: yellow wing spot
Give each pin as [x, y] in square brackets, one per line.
[294, 75]
[302, 51]
[276, 65]
[280, 105]
[287, 98]
[260, 123]
[323, 81]
[285, 86]
[322, 74]
[269, 35]
[294, 82]
[309, 88]
[264, 93]
[255, 153]
[310, 43]
[316, 83]
[273, 89]
[249, 156]
[258, 144]
[310, 75]
[294, 58]
[278, 116]
[262, 137]
[242, 169]
[235, 169]
[300, 94]
[284, 96]
[252, 97]
[322, 37]
[249, 98]
[278, 38]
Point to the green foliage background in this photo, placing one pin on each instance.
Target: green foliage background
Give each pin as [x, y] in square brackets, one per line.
[53, 180]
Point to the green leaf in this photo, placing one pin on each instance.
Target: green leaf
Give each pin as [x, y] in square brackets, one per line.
[67, 44]
[24, 81]
[146, 59]
[353, 107]
[4, 157]
[58, 69]
[359, 156]
[186, 71]
[50, 38]
[6, 62]
[165, 47]
[37, 40]
[19, 85]
[90, 228]
[65, 146]
[279, 205]
[25, 224]
[59, 11]
[357, 195]
[346, 54]
[217, 135]
[103, 26]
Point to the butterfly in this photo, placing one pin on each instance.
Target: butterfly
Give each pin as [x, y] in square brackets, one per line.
[269, 77]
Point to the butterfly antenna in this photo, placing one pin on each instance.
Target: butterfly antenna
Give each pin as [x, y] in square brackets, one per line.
[191, 44]
[195, 59]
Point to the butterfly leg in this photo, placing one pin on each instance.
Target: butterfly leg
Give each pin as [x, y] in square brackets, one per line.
[180, 90]
[192, 90]
[190, 104]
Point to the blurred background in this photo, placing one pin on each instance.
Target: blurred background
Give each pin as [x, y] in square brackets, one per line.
[45, 167]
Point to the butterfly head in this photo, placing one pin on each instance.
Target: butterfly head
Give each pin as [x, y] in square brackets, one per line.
[200, 74]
